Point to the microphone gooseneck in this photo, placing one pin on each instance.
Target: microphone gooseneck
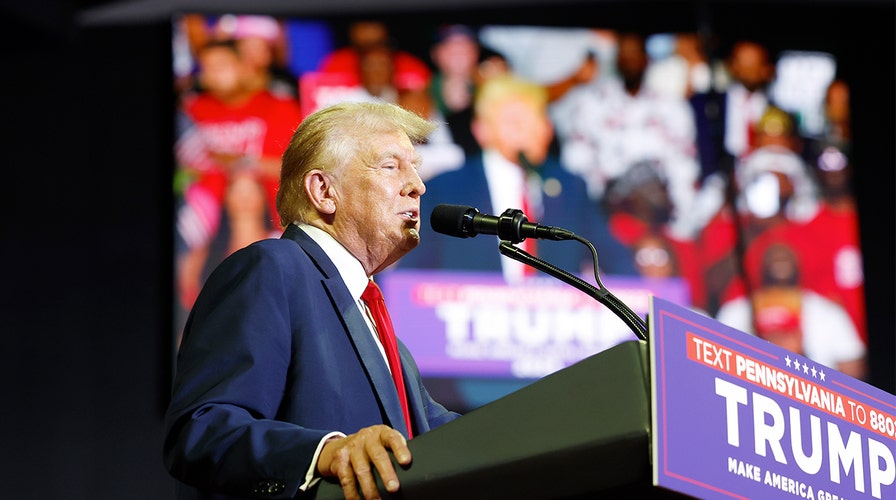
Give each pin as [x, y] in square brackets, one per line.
[599, 293]
[512, 226]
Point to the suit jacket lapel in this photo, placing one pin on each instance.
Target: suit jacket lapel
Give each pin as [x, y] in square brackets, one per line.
[356, 328]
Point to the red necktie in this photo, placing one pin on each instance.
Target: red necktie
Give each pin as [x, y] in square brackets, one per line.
[374, 299]
[528, 244]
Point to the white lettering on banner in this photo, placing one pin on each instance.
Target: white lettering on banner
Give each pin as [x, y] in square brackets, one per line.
[826, 495]
[768, 434]
[788, 485]
[789, 383]
[809, 463]
[878, 454]
[778, 481]
[712, 354]
[769, 428]
[783, 382]
[847, 454]
[744, 469]
[243, 137]
[536, 341]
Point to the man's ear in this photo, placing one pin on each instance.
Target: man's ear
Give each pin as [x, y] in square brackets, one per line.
[320, 190]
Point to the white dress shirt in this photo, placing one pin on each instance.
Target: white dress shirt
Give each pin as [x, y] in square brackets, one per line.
[506, 184]
[352, 273]
[742, 110]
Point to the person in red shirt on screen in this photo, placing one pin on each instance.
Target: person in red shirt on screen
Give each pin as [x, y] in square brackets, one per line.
[231, 155]
[365, 35]
[788, 314]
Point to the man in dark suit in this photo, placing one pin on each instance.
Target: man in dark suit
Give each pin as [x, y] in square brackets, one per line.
[281, 378]
[724, 119]
[516, 170]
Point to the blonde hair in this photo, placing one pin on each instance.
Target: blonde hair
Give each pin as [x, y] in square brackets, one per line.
[501, 87]
[334, 137]
[775, 122]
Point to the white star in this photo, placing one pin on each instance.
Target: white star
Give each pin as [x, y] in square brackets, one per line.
[796, 365]
[821, 374]
[814, 372]
[806, 368]
[787, 361]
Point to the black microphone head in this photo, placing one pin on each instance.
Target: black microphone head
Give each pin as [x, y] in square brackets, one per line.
[452, 220]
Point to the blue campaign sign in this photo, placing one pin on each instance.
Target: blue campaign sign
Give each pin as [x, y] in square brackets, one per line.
[477, 324]
[735, 416]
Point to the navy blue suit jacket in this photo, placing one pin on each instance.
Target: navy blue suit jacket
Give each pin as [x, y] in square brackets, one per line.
[710, 110]
[275, 355]
[566, 204]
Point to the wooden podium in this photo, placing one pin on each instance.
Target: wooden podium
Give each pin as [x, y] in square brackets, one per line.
[580, 432]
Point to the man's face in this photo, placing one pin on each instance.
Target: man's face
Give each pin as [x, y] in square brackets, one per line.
[378, 204]
[377, 70]
[749, 64]
[514, 126]
[457, 55]
[256, 52]
[221, 71]
[632, 57]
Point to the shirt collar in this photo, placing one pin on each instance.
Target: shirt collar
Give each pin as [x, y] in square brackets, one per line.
[505, 180]
[495, 163]
[349, 267]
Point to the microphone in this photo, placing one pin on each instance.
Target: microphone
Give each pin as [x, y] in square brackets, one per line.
[466, 222]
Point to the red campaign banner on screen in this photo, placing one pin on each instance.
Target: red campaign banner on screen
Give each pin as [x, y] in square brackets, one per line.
[318, 90]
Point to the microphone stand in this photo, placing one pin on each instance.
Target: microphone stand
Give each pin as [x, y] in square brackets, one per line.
[600, 293]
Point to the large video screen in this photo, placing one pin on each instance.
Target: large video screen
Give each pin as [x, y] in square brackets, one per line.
[715, 175]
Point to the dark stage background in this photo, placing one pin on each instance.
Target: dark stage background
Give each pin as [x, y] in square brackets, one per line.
[86, 120]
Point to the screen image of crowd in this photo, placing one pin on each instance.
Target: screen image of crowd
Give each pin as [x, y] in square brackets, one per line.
[715, 174]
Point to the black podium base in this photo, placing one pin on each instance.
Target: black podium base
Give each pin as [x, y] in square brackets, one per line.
[580, 432]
